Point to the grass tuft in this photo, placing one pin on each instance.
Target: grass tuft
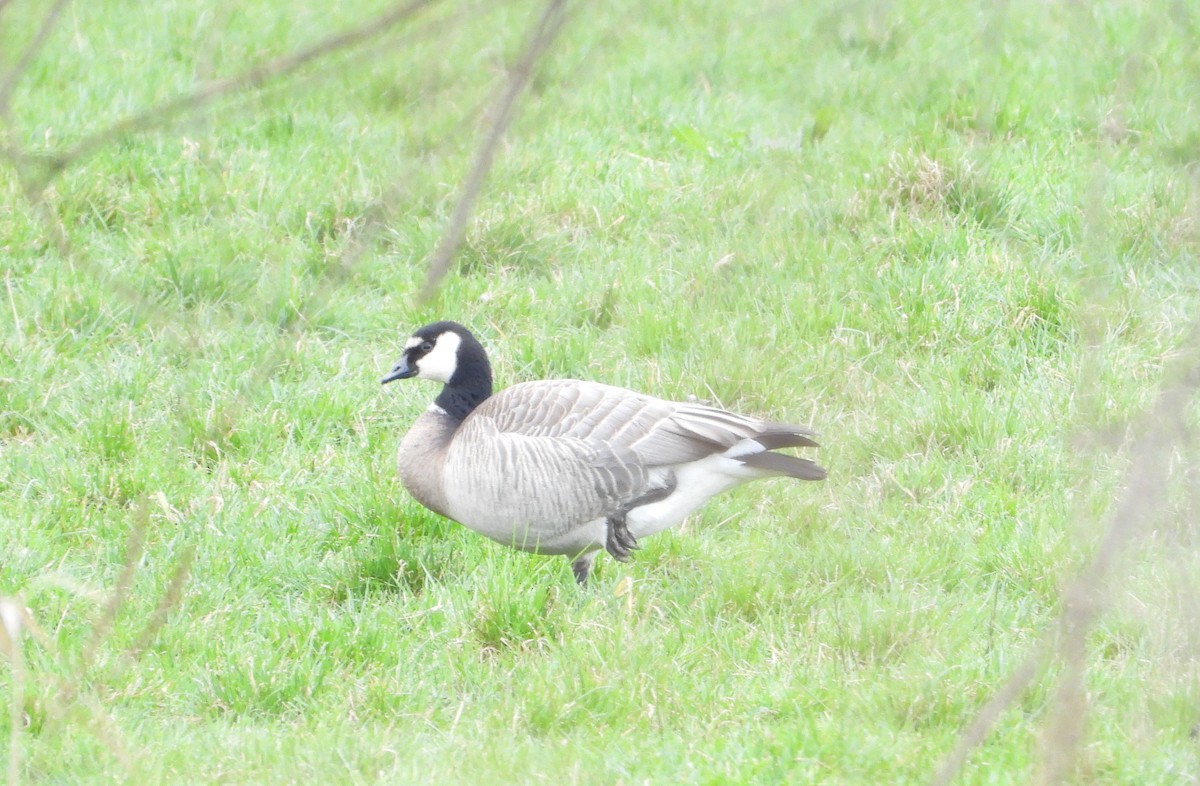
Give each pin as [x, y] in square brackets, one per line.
[957, 191]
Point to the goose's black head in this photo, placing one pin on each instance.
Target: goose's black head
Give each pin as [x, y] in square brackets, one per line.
[446, 352]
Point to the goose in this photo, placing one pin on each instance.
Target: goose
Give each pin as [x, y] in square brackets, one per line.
[568, 467]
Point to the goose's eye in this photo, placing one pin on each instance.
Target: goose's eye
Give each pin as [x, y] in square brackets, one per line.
[425, 347]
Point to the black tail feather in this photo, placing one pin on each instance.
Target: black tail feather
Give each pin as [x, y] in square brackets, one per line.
[783, 464]
[780, 435]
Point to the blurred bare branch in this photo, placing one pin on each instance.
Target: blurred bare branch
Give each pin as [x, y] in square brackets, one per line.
[12, 616]
[16, 621]
[1161, 435]
[39, 40]
[543, 33]
[35, 172]
[69, 695]
[166, 604]
[255, 76]
[134, 548]
[974, 735]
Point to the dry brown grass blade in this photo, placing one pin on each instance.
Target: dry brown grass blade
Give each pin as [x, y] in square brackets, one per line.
[542, 34]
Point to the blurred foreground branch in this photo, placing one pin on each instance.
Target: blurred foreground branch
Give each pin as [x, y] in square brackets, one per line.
[544, 31]
[160, 114]
[1162, 434]
[72, 677]
[14, 74]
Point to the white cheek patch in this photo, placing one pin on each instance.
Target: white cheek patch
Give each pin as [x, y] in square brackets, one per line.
[442, 360]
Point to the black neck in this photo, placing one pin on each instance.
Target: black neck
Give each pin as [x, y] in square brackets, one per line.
[470, 386]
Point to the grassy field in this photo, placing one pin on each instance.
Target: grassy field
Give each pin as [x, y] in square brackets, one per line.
[958, 240]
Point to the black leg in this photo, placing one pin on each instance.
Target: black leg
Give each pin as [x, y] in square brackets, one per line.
[620, 541]
[582, 567]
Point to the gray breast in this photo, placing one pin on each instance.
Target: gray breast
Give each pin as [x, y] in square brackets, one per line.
[421, 459]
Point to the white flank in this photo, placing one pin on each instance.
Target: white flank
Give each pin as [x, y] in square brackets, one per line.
[745, 448]
[697, 482]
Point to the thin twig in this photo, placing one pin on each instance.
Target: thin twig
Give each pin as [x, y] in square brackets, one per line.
[542, 35]
[69, 694]
[375, 218]
[166, 604]
[11, 614]
[1161, 432]
[974, 735]
[134, 549]
[1145, 494]
[255, 76]
[39, 40]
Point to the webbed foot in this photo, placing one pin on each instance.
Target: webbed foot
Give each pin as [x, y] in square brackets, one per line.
[620, 541]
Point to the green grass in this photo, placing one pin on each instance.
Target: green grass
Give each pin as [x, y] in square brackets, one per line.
[968, 265]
